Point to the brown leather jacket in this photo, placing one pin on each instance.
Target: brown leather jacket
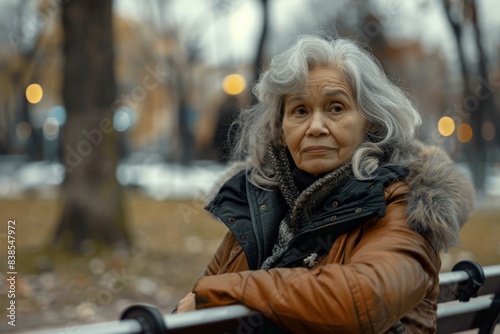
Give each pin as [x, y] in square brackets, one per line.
[381, 276]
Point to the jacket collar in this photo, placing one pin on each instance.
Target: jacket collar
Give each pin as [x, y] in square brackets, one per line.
[441, 199]
[253, 214]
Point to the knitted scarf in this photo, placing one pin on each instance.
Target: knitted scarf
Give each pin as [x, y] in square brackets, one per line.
[302, 205]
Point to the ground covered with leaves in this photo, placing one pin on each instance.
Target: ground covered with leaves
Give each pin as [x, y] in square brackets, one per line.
[172, 242]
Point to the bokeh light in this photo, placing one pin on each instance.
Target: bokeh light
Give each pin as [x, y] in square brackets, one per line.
[446, 126]
[121, 120]
[34, 93]
[23, 130]
[59, 113]
[51, 128]
[464, 133]
[234, 84]
[488, 131]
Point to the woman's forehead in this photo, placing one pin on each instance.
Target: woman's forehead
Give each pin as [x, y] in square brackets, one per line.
[323, 81]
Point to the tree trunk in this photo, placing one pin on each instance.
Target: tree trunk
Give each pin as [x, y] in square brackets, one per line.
[259, 58]
[484, 92]
[475, 149]
[93, 199]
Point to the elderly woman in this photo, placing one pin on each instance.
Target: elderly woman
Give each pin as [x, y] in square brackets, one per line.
[336, 213]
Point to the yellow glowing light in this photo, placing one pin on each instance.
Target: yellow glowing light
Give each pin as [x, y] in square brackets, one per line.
[488, 131]
[234, 84]
[464, 133]
[34, 93]
[23, 130]
[446, 126]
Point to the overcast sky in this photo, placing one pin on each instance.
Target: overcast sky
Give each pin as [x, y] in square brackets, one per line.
[232, 35]
[416, 19]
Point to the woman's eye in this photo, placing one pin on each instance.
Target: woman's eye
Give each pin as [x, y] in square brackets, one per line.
[336, 107]
[299, 111]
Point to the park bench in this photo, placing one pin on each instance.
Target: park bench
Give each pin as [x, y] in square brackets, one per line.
[456, 310]
[469, 299]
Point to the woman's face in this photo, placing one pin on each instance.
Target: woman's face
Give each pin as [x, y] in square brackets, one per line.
[322, 125]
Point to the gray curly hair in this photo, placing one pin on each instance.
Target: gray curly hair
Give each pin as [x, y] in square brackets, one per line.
[389, 111]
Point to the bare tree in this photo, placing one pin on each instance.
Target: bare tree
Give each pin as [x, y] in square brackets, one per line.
[182, 60]
[259, 59]
[485, 96]
[93, 199]
[478, 104]
[25, 27]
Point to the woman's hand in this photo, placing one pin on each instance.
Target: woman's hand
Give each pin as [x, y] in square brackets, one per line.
[187, 303]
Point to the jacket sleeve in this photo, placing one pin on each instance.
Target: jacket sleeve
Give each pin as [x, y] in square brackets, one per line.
[387, 274]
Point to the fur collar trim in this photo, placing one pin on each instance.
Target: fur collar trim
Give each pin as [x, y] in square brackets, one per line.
[441, 199]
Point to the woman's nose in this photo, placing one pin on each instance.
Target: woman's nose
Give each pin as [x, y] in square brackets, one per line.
[317, 124]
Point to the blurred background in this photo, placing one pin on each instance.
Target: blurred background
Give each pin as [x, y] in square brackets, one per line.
[114, 121]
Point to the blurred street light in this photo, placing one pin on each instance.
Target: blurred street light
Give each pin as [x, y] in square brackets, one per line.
[124, 118]
[488, 131]
[234, 84]
[59, 113]
[34, 93]
[464, 133]
[51, 128]
[446, 126]
[23, 130]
